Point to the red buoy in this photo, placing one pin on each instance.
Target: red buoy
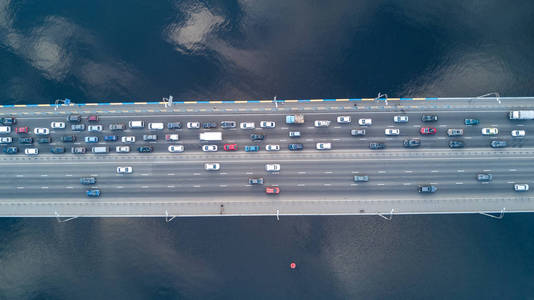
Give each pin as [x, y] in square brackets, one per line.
[293, 265]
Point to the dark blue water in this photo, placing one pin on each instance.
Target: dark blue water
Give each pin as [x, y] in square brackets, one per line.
[144, 50]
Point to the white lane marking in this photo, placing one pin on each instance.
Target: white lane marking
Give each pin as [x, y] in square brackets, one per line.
[20, 175]
[510, 181]
[415, 125]
[249, 173]
[380, 184]
[224, 173]
[119, 186]
[433, 183]
[443, 125]
[521, 125]
[408, 171]
[485, 182]
[145, 174]
[337, 127]
[94, 175]
[44, 175]
[328, 172]
[69, 187]
[171, 174]
[44, 187]
[68, 175]
[512, 170]
[364, 139]
[284, 140]
[459, 183]
[301, 184]
[170, 186]
[327, 184]
[406, 183]
[144, 187]
[310, 127]
[441, 138]
[434, 171]
[355, 172]
[285, 128]
[20, 187]
[197, 186]
[309, 140]
[382, 172]
[494, 125]
[336, 140]
[460, 171]
[354, 184]
[468, 137]
[196, 174]
[487, 170]
[302, 172]
[223, 185]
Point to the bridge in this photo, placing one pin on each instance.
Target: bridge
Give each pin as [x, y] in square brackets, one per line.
[311, 181]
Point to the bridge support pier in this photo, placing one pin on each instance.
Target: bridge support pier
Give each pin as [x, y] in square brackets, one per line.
[58, 218]
[167, 220]
[500, 216]
[388, 217]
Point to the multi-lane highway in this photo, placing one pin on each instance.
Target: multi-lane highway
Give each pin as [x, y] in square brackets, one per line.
[310, 181]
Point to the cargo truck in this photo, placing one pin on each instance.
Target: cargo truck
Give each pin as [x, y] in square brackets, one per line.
[521, 115]
[295, 119]
[211, 136]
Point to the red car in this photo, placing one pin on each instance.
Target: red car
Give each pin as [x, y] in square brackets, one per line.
[272, 190]
[22, 129]
[92, 118]
[427, 130]
[230, 147]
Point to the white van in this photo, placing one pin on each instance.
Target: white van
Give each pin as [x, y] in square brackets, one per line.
[137, 124]
[100, 150]
[5, 129]
[155, 126]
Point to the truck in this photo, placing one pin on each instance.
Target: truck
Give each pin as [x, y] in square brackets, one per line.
[295, 119]
[521, 115]
[211, 136]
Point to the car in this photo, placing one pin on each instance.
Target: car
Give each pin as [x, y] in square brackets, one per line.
[252, 148]
[498, 144]
[343, 119]
[6, 140]
[193, 125]
[150, 137]
[209, 148]
[92, 118]
[41, 131]
[116, 126]
[91, 139]
[267, 124]
[455, 132]
[361, 178]
[31, 151]
[257, 137]
[427, 130]
[484, 177]
[427, 188]
[110, 138]
[321, 123]
[518, 133]
[136, 124]
[57, 125]
[156, 126]
[94, 128]
[124, 170]
[323, 146]
[357, 132]
[272, 147]
[429, 118]
[128, 139]
[471, 122]
[8, 121]
[230, 147]
[392, 131]
[77, 127]
[74, 118]
[272, 190]
[228, 124]
[5, 129]
[365, 122]
[295, 147]
[255, 180]
[208, 125]
[247, 125]
[411, 143]
[400, 119]
[176, 148]
[294, 134]
[174, 125]
[490, 131]
[521, 187]
[57, 150]
[44, 140]
[272, 167]
[93, 193]
[122, 149]
[24, 129]
[172, 137]
[376, 146]
[456, 144]
[144, 149]
[26, 140]
[212, 166]
[68, 139]
[10, 150]
[88, 180]
[78, 150]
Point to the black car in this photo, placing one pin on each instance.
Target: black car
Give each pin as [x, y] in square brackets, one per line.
[257, 137]
[427, 189]
[144, 149]
[376, 146]
[255, 180]
[228, 124]
[295, 147]
[174, 125]
[498, 144]
[26, 140]
[8, 121]
[456, 144]
[209, 125]
[484, 177]
[411, 143]
[10, 150]
[78, 150]
[429, 118]
[68, 139]
[88, 180]
[77, 127]
[116, 126]
[57, 150]
[150, 137]
[75, 118]
[44, 140]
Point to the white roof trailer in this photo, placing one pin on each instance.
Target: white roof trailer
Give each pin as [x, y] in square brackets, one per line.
[211, 136]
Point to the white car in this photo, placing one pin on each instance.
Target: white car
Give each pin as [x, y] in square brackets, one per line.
[155, 126]
[267, 124]
[490, 131]
[209, 148]
[392, 131]
[322, 123]
[343, 119]
[94, 128]
[6, 140]
[57, 125]
[365, 122]
[124, 170]
[521, 187]
[212, 166]
[518, 133]
[400, 119]
[176, 148]
[272, 147]
[247, 125]
[323, 146]
[31, 151]
[272, 167]
[193, 125]
[128, 139]
[41, 131]
[122, 149]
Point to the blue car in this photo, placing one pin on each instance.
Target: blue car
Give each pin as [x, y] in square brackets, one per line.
[295, 147]
[91, 139]
[254, 148]
[110, 138]
[471, 121]
[93, 193]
